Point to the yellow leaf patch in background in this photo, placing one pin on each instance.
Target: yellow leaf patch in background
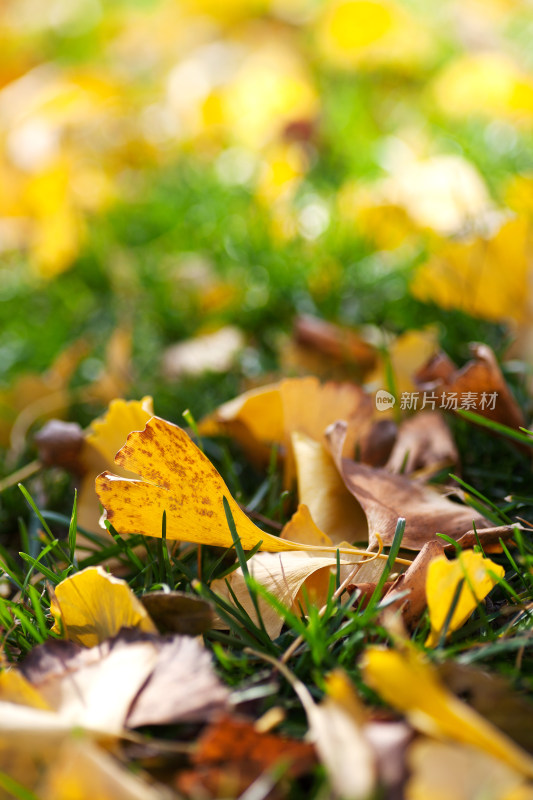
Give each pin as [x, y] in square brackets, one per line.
[442, 583]
[93, 606]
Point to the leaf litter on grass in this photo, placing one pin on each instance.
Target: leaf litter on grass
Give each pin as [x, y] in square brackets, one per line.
[176, 172]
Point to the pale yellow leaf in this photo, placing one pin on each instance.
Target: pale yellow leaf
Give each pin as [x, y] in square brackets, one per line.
[283, 575]
[181, 481]
[446, 771]
[320, 487]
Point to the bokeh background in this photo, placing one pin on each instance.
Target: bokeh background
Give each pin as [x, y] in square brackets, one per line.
[173, 169]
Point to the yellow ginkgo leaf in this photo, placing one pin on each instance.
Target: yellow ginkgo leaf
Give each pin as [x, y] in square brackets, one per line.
[442, 583]
[302, 528]
[411, 685]
[180, 481]
[108, 433]
[93, 606]
[320, 487]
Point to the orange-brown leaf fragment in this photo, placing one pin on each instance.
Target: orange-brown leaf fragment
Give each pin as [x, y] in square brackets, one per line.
[231, 755]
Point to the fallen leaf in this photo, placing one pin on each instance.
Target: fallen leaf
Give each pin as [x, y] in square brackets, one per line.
[460, 772]
[183, 686]
[478, 386]
[178, 612]
[180, 481]
[131, 680]
[92, 606]
[488, 83]
[444, 193]
[443, 578]
[230, 755]
[358, 34]
[411, 685]
[385, 497]
[212, 352]
[424, 442]
[33, 397]
[389, 742]
[329, 345]
[302, 528]
[377, 442]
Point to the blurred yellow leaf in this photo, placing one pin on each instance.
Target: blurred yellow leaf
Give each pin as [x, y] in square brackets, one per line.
[485, 83]
[34, 397]
[368, 33]
[14, 688]
[442, 582]
[82, 770]
[411, 685]
[337, 727]
[92, 606]
[406, 353]
[485, 277]
[271, 89]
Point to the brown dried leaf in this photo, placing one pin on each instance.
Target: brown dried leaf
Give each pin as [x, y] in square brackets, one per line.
[178, 612]
[424, 443]
[385, 497]
[482, 376]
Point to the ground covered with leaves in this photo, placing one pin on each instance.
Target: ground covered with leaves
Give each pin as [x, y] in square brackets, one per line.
[265, 403]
